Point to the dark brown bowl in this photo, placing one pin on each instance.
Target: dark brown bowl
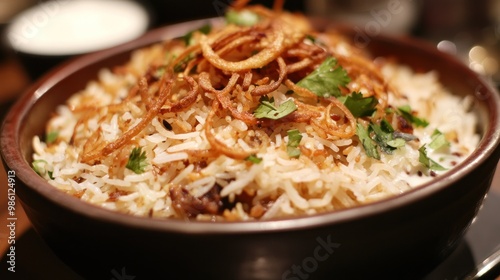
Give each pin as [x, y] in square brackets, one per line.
[402, 237]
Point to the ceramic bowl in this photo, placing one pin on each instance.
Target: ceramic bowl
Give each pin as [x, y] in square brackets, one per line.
[403, 237]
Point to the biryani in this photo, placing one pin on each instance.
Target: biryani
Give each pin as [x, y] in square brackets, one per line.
[259, 118]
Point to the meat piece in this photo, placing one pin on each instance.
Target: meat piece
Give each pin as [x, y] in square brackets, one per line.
[188, 206]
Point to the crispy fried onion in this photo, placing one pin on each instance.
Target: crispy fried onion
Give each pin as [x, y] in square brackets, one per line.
[186, 101]
[262, 58]
[341, 126]
[91, 154]
[230, 70]
[217, 144]
[223, 96]
[265, 89]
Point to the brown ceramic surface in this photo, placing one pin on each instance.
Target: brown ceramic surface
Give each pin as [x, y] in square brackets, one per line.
[423, 225]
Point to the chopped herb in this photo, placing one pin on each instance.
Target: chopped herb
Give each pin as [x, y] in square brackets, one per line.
[160, 71]
[396, 143]
[179, 67]
[386, 126]
[428, 162]
[438, 140]
[267, 108]
[406, 112]
[137, 160]
[389, 110]
[242, 18]
[40, 167]
[367, 142]
[311, 38]
[358, 105]
[326, 80]
[37, 166]
[384, 135]
[292, 147]
[188, 38]
[254, 159]
[51, 137]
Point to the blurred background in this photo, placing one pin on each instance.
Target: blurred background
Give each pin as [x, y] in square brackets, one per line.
[469, 29]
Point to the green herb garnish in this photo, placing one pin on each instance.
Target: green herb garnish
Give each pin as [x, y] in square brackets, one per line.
[179, 67]
[311, 38]
[188, 38]
[326, 80]
[367, 142]
[292, 147]
[358, 105]
[137, 161]
[40, 167]
[160, 71]
[396, 143]
[51, 137]
[438, 140]
[242, 18]
[406, 113]
[381, 135]
[267, 109]
[428, 162]
[384, 136]
[253, 159]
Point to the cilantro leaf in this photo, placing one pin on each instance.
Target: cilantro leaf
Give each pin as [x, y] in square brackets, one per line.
[438, 140]
[292, 147]
[40, 167]
[137, 161]
[253, 159]
[160, 71]
[311, 38]
[396, 143]
[428, 162]
[381, 135]
[367, 142]
[326, 80]
[406, 113]
[267, 109]
[384, 136]
[358, 105]
[51, 137]
[242, 18]
[188, 37]
[179, 67]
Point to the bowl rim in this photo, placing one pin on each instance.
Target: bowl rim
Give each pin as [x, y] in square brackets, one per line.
[14, 160]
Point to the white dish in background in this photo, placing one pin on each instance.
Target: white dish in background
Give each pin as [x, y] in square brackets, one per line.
[69, 27]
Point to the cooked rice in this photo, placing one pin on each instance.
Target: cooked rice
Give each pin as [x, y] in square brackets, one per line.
[337, 174]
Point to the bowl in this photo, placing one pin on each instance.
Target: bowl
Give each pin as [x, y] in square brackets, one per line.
[402, 237]
[49, 33]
